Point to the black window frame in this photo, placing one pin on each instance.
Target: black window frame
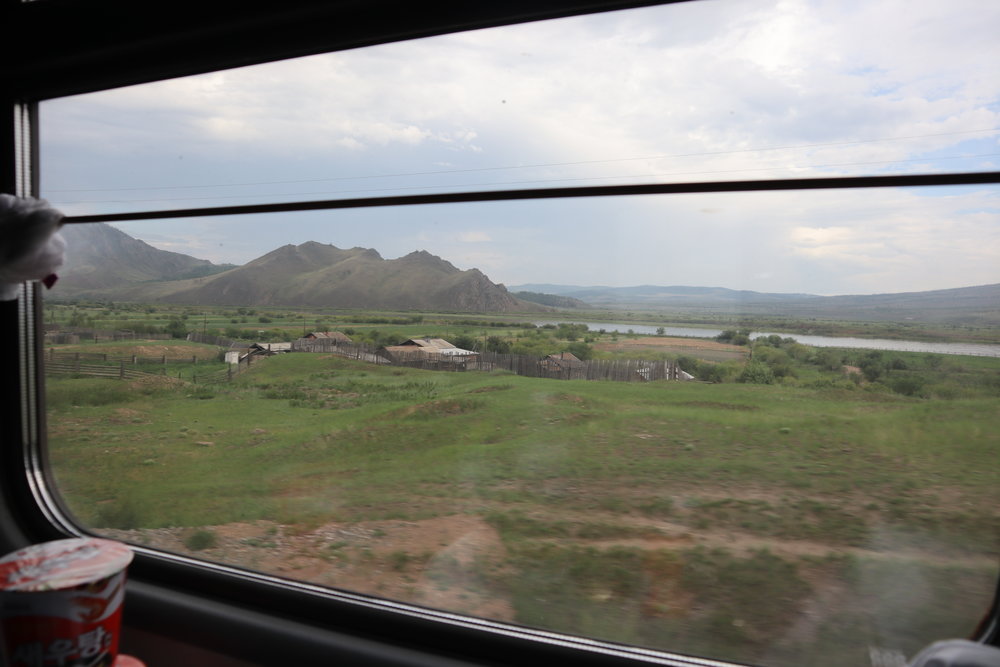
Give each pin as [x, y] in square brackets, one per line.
[176, 604]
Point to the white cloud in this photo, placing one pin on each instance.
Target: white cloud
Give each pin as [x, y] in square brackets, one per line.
[700, 90]
[474, 237]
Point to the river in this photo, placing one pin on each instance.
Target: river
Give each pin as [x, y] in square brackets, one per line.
[970, 349]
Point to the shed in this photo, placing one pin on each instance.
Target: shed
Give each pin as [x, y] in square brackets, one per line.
[336, 336]
[270, 348]
[427, 343]
[563, 365]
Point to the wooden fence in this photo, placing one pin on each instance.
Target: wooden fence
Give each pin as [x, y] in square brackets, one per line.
[615, 370]
[232, 370]
[66, 335]
[121, 372]
[52, 356]
[359, 351]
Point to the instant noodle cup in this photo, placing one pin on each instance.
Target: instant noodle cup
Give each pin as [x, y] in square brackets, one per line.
[61, 603]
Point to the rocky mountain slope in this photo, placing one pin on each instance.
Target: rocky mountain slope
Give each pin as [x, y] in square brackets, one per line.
[101, 256]
[109, 264]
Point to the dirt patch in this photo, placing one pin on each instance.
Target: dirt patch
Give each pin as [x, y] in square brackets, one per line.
[440, 562]
[709, 350]
[485, 390]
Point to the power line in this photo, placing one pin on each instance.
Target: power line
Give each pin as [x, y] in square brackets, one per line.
[530, 166]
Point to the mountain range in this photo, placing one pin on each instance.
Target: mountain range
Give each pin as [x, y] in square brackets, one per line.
[978, 305]
[105, 263]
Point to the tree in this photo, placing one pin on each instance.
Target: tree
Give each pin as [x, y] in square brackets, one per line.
[465, 342]
[581, 351]
[756, 372]
[176, 328]
[829, 359]
[734, 337]
[498, 345]
[872, 366]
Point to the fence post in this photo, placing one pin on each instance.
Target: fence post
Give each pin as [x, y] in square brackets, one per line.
[121, 370]
[163, 360]
[133, 360]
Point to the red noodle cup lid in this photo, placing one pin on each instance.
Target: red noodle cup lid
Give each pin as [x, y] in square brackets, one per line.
[62, 564]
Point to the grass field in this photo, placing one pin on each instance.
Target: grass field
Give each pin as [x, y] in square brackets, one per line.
[778, 524]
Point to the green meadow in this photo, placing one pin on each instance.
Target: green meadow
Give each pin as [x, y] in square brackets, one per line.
[808, 520]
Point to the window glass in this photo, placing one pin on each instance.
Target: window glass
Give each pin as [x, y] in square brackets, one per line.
[655, 420]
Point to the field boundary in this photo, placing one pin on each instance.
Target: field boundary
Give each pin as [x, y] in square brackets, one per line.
[120, 372]
[552, 366]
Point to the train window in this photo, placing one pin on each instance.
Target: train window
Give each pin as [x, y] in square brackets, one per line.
[655, 421]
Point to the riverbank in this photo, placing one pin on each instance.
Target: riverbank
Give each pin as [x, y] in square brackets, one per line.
[852, 342]
[929, 332]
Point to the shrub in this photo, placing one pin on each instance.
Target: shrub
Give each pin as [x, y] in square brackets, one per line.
[756, 372]
[201, 539]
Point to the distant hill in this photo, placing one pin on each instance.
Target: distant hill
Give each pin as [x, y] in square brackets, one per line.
[99, 256]
[551, 300]
[660, 296]
[106, 263]
[964, 305]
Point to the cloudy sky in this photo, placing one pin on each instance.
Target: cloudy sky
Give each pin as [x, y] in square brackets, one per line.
[710, 90]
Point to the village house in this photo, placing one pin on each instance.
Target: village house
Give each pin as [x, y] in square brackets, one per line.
[427, 350]
[563, 365]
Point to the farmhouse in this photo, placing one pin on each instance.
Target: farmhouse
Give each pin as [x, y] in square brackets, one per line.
[427, 349]
[563, 365]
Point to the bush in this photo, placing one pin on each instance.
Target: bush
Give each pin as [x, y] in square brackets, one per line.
[734, 337]
[498, 345]
[201, 539]
[581, 351]
[756, 372]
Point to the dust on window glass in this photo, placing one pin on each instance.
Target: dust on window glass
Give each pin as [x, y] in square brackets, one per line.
[654, 420]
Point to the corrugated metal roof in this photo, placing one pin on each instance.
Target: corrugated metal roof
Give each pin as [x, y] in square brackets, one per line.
[273, 347]
[436, 343]
[335, 335]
